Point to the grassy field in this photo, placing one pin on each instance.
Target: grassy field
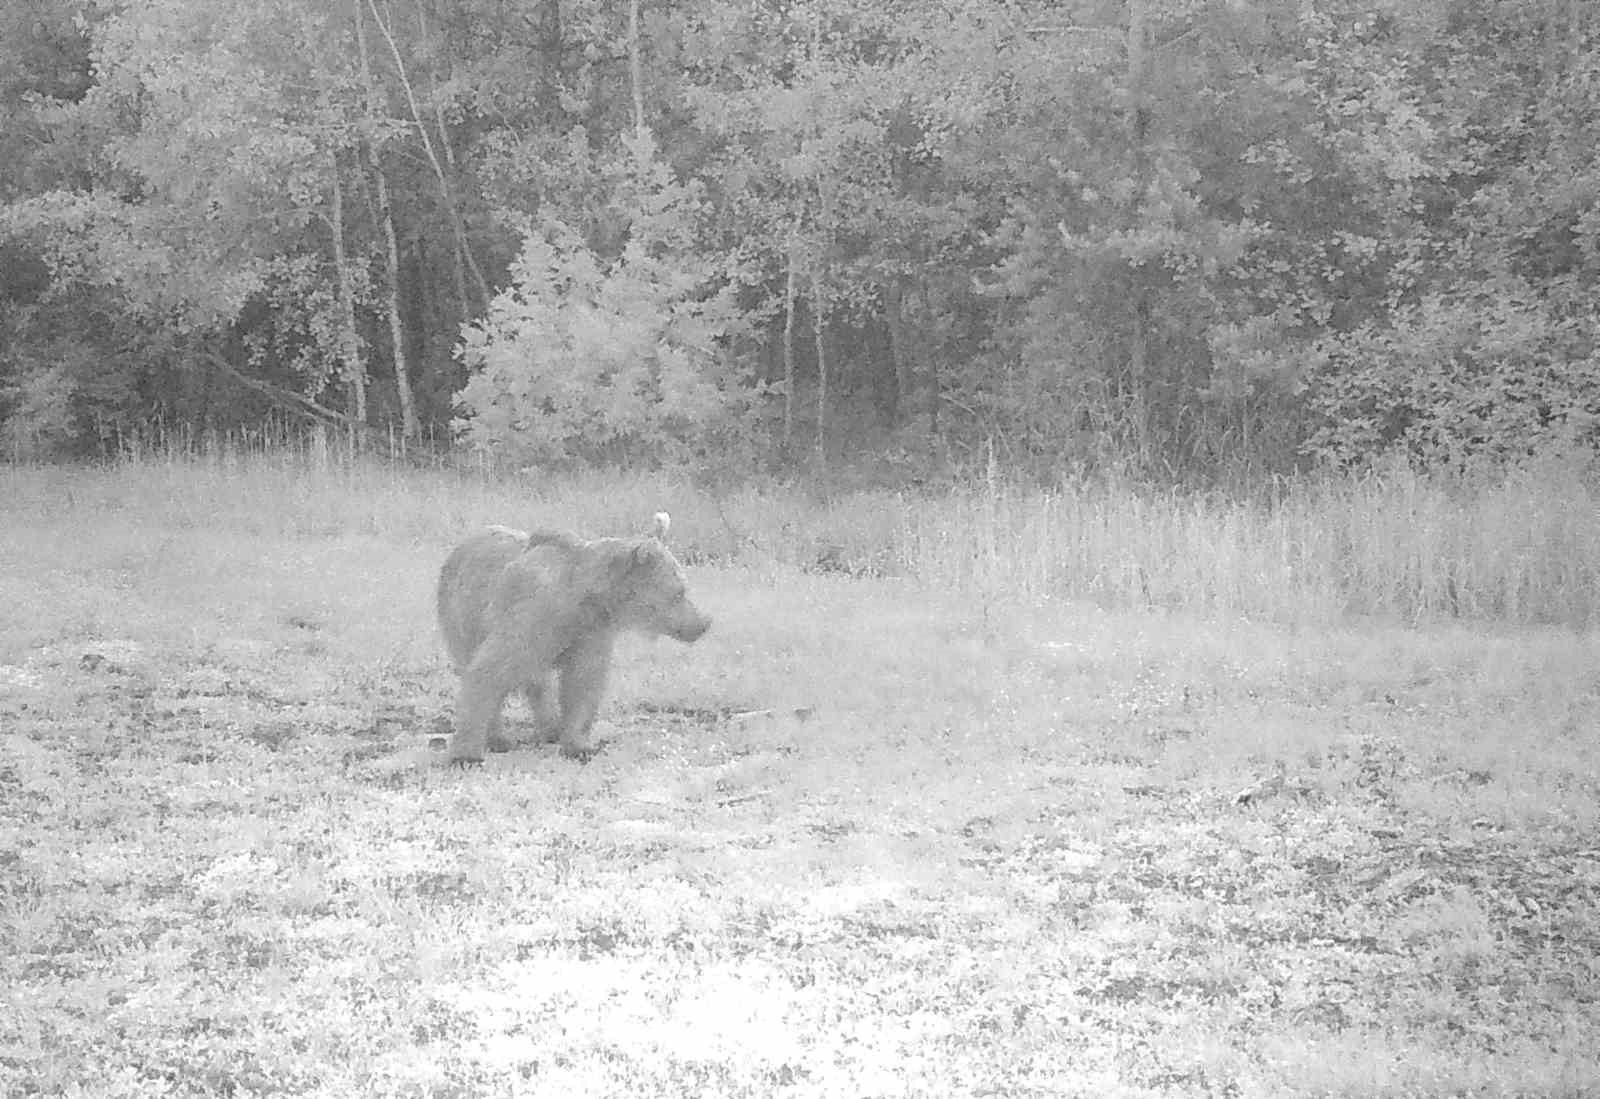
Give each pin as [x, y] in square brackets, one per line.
[919, 830]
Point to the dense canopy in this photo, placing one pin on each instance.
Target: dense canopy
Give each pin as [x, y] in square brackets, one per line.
[1178, 235]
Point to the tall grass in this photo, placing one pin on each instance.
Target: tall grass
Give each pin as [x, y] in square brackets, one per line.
[1395, 545]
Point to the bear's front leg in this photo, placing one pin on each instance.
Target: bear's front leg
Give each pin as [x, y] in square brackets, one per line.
[540, 694]
[584, 670]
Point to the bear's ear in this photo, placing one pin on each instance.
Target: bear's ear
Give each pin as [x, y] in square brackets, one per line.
[659, 526]
[613, 561]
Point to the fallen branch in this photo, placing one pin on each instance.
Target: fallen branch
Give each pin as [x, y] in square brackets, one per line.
[287, 399]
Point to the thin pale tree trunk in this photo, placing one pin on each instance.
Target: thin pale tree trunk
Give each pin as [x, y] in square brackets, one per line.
[899, 353]
[547, 34]
[790, 298]
[410, 429]
[428, 149]
[817, 327]
[935, 396]
[636, 68]
[458, 269]
[1138, 133]
[350, 365]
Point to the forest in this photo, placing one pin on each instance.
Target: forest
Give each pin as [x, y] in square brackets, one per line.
[1185, 239]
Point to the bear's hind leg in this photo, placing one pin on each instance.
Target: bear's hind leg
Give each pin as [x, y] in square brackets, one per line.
[495, 671]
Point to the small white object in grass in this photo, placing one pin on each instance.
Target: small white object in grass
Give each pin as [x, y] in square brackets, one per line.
[663, 523]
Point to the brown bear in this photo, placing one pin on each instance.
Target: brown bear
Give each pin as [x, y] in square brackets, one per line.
[540, 613]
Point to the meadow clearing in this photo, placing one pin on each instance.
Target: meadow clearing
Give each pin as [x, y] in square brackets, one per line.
[987, 793]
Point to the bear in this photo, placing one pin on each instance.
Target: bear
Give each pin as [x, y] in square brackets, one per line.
[539, 612]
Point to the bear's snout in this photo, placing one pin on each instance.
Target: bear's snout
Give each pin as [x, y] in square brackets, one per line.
[690, 627]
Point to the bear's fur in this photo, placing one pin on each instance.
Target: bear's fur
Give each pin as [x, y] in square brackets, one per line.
[539, 612]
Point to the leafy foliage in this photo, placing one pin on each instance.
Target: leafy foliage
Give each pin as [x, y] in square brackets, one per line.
[1455, 383]
[299, 327]
[585, 358]
[1155, 235]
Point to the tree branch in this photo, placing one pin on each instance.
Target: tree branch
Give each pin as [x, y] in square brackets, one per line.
[284, 398]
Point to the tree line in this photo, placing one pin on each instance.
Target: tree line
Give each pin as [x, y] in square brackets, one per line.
[1181, 236]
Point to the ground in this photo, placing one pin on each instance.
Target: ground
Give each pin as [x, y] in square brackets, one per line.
[864, 839]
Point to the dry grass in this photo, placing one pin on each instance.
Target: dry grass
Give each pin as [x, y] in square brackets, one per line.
[1018, 846]
[1392, 545]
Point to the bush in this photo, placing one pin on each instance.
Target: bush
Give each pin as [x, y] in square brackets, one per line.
[1485, 380]
[584, 359]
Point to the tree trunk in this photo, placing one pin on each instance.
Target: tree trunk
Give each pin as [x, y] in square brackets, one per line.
[1139, 305]
[636, 68]
[350, 365]
[817, 327]
[547, 83]
[790, 297]
[446, 192]
[1138, 54]
[899, 353]
[410, 429]
[459, 267]
[935, 395]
